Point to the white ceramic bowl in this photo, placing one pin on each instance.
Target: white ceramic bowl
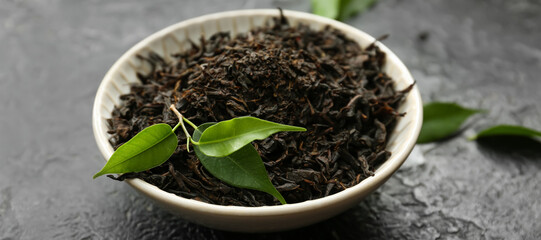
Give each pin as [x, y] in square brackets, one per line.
[174, 39]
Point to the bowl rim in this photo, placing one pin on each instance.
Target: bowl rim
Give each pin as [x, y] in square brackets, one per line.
[382, 173]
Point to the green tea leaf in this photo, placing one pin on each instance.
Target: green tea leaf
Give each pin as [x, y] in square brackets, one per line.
[442, 119]
[149, 148]
[243, 168]
[507, 130]
[340, 9]
[326, 8]
[226, 137]
[349, 8]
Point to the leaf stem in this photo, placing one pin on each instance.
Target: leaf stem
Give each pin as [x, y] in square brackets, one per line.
[176, 126]
[194, 142]
[189, 122]
[181, 123]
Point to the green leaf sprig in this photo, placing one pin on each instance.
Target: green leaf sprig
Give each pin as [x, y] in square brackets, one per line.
[224, 149]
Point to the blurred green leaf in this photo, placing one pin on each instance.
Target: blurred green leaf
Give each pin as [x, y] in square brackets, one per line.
[350, 8]
[340, 9]
[326, 8]
[442, 119]
[507, 130]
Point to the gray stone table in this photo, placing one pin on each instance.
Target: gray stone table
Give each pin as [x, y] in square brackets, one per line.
[481, 54]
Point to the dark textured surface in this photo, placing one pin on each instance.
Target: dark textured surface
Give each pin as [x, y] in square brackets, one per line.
[482, 54]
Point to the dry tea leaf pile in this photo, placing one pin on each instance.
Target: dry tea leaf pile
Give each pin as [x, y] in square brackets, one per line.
[319, 80]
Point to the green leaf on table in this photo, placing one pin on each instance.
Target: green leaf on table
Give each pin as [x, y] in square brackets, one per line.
[442, 119]
[507, 130]
[340, 9]
[227, 137]
[243, 168]
[149, 148]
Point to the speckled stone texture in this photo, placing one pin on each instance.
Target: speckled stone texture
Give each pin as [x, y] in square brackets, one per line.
[481, 54]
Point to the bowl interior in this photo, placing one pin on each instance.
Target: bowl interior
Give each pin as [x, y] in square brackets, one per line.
[177, 38]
